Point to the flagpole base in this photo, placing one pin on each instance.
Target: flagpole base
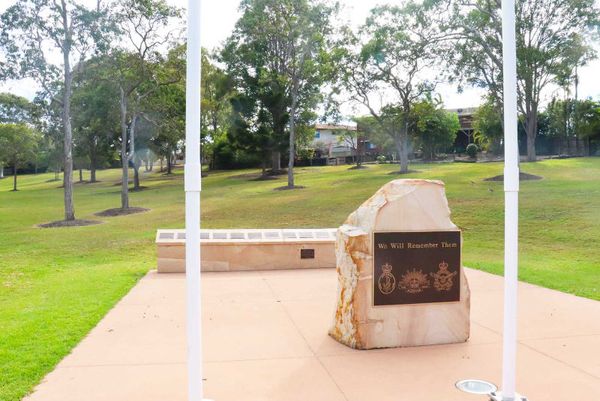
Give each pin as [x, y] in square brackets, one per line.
[497, 396]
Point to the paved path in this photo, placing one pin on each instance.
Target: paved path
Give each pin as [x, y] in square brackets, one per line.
[265, 338]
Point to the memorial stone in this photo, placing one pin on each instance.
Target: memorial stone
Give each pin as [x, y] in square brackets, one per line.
[400, 276]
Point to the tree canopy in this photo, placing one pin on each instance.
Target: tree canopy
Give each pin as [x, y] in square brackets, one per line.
[18, 143]
[278, 55]
[387, 67]
[552, 39]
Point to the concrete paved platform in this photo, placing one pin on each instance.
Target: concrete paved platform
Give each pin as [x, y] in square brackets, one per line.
[265, 338]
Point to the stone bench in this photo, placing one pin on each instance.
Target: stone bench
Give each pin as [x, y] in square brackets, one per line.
[256, 249]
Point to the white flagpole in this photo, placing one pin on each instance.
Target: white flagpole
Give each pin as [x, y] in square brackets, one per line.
[511, 201]
[193, 186]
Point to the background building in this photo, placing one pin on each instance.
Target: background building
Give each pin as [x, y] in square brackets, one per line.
[464, 136]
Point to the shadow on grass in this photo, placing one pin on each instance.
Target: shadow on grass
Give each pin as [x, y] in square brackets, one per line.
[522, 177]
[69, 223]
[121, 212]
[398, 172]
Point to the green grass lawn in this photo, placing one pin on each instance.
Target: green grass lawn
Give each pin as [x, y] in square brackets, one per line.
[56, 284]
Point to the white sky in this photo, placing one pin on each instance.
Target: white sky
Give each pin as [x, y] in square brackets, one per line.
[219, 17]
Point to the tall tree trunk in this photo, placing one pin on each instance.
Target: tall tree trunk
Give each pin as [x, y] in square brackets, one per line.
[402, 149]
[15, 177]
[531, 156]
[169, 165]
[132, 154]
[576, 116]
[68, 157]
[1, 171]
[276, 160]
[93, 163]
[290, 171]
[531, 129]
[401, 141]
[136, 176]
[566, 124]
[66, 119]
[124, 155]
[80, 175]
[161, 165]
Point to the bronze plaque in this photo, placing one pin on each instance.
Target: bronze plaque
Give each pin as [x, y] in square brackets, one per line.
[307, 253]
[416, 267]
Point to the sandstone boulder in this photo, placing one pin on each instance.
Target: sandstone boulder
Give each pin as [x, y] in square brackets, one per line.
[405, 205]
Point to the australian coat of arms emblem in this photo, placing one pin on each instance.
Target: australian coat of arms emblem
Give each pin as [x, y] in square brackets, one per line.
[443, 279]
[414, 281]
[386, 281]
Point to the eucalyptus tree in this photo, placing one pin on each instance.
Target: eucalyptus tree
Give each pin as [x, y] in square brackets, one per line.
[388, 67]
[487, 125]
[435, 128]
[257, 90]
[147, 27]
[249, 128]
[216, 92]
[279, 52]
[95, 115]
[553, 38]
[588, 112]
[18, 143]
[17, 110]
[32, 29]
[51, 126]
[570, 119]
[164, 107]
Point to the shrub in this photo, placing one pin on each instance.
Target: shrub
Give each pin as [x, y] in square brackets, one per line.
[472, 150]
[380, 159]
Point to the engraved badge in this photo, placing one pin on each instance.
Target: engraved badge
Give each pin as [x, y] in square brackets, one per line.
[443, 279]
[414, 281]
[386, 281]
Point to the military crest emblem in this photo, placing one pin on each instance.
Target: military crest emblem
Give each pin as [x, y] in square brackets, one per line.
[414, 281]
[386, 281]
[443, 280]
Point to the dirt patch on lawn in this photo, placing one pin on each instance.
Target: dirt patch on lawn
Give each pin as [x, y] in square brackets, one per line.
[361, 167]
[267, 176]
[277, 172]
[287, 188]
[121, 212]
[138, 189]
[264, 178]
[69, 223]
[522, 177]
[396, 172]
[131, 189]
[255, 176]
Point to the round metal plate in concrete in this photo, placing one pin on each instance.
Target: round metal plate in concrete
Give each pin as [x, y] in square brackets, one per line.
[474, 386]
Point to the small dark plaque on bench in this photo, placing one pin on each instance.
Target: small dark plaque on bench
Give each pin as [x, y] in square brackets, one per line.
[416, 267]
[307, 253]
